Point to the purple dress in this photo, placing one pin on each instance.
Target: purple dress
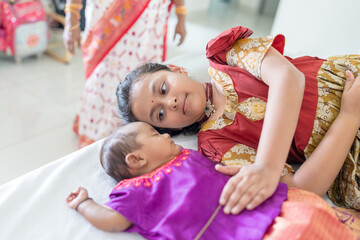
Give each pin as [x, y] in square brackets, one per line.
[176, 201]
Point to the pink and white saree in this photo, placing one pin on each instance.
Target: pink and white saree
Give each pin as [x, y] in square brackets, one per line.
[119, 36]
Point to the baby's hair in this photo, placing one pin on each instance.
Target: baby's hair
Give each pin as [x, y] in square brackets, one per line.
[113, 152]
[123, 92]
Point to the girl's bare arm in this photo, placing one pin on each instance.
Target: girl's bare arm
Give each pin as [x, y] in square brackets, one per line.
[254, 183]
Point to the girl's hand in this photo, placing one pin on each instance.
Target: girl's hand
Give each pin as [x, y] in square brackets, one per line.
[249, 187]
[76, 197]
[350, 101]
[71, 37]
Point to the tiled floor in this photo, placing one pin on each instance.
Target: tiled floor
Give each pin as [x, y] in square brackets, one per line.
[39, 97]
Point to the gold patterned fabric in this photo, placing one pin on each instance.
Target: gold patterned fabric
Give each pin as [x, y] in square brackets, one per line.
[242, 155]
[248, 53]
[331, 78]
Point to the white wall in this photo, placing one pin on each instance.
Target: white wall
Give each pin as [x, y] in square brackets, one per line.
[194, 5]
[319, 27]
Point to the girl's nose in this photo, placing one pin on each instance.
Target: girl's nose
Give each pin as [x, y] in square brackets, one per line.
[172, 103]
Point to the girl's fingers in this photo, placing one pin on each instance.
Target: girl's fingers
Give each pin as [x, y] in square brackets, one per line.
[237, 197]
[349, 75]
[349, 80]
[242, 202]
[257, 200]
[227, 170]
[229, 188]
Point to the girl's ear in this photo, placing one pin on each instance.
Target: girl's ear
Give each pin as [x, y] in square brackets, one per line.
[134, 161]
[177, 69]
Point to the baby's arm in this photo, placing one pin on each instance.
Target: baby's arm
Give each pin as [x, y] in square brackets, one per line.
[318, 172]
[98, 215]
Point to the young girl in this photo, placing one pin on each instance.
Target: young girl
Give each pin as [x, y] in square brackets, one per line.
[261, 109]
[163, 195]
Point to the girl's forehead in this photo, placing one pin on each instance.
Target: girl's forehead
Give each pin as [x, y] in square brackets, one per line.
[147, 82]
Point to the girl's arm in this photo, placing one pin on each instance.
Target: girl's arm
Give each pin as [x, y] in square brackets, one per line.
[326, 161]
[181, 15]
[98, 215]
[254, 183]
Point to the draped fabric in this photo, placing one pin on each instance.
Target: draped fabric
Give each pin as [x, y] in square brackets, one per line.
[115, 22]
[306, 216]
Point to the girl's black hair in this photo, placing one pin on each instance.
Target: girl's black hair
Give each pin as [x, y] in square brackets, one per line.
[124, 102]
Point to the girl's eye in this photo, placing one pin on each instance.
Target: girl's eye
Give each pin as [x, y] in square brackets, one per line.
[163, 88]
[161, 114]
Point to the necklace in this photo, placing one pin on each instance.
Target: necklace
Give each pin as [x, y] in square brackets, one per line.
[210, 107]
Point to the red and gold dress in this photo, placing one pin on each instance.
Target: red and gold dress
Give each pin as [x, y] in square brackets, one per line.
[235, 63]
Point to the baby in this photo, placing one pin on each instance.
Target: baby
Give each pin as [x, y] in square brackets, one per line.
[161, 193]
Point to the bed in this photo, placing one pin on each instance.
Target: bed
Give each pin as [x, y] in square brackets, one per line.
[33, 205]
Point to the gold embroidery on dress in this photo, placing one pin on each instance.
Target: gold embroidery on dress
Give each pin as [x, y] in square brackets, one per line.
[248, 53]
[253, 108]
[231, 101]
[242, 155]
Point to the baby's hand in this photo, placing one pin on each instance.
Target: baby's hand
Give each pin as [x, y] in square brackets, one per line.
[76, 197]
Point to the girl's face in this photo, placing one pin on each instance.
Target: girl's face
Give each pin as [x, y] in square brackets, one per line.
[168, 100]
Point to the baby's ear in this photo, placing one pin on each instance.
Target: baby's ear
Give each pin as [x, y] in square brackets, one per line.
[133, 160]
[177, 69]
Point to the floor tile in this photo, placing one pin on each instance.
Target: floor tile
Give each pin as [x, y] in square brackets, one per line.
[61, 91]
[24, 116]
[36, 152]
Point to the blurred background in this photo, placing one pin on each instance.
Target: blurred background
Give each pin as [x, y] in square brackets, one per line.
[39, 95]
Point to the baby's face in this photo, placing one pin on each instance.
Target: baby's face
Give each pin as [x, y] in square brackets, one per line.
[158, 148]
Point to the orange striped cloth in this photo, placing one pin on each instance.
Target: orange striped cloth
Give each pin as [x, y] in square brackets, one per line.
[307, 216]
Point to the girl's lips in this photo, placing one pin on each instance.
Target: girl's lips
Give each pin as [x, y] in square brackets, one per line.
[185, 104]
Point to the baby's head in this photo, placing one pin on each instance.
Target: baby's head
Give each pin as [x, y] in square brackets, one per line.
[136, 149]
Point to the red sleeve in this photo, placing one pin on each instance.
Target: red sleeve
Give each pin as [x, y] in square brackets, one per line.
[217, 48]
